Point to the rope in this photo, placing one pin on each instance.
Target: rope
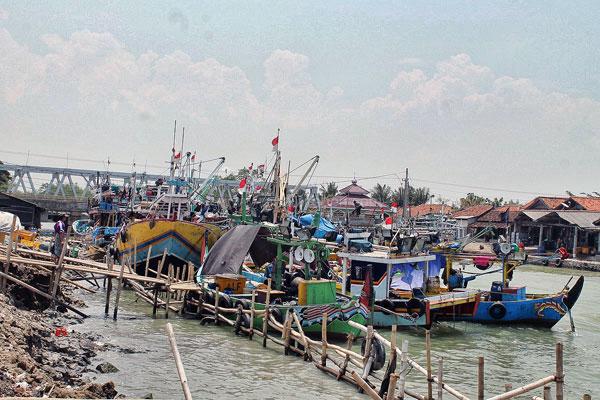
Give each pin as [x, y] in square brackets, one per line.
[482, 273]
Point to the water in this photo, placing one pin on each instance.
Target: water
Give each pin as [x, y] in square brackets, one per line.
[220, 365]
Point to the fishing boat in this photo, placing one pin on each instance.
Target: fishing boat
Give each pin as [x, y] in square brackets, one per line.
[507, 304]
[406, 288]
[168, 226]
[306, 287]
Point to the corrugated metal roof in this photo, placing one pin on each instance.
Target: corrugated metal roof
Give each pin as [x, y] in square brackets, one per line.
[536, 214]
[583, 219]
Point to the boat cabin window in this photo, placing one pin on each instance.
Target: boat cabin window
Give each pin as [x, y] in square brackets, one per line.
[359, 267]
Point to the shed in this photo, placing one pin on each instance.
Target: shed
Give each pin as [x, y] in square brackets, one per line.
[29, 213]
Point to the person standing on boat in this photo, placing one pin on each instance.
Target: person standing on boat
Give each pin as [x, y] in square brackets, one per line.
[357, 208]
[60, 230]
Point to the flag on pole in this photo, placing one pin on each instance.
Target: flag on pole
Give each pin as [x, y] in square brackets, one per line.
[250, 167]
[242, 188]
[194, 157]
[177, 156]
[275, 141]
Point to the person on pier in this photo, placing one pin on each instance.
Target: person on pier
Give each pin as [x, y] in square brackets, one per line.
[60, 230]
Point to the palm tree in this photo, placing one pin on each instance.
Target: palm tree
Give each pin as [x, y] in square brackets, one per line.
[471, 199]
[416, 196]
[382, 193]
[4, 179]
[329, 190]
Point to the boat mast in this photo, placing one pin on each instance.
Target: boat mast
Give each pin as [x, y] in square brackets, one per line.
[276, 177]
[405, 201]
[172, 171]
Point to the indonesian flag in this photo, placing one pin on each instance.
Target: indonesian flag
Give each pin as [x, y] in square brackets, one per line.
[258, 188]
[242, 186]
[275, 142]
[177, 156]
[250, 167]
[194, 157]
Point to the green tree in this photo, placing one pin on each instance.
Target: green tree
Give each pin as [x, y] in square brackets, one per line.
[416, 196]
[382, 193]
[4, 179]
[471, 199]
[66, 188]
[497, 202]
[329, 190]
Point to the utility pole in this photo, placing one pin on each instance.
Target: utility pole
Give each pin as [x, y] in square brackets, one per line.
[405, 201]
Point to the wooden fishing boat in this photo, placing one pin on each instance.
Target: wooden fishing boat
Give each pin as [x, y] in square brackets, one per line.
[180, 241]
[506, 304]
[306, 289]
[406, 288]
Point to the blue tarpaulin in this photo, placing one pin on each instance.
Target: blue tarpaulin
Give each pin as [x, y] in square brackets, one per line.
[325, 226]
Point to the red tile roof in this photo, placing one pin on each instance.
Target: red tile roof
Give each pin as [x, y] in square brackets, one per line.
[549, 203]
[347, 202]
[354, 190]
[425, 209]
[499, 214]
[587, 203]
[474, 211]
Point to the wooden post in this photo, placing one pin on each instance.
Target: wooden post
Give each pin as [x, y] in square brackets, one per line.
[480, 383]
[547, 394]
[134, 256]
[8, 251]
[200, 300]
[59, 267]
[403, 368]
[324, 339]
[160, 266]
[155, 303]
[216, 305]
[587, 397]
[182, 377]
[440, 376]
[147, 261]
[119, 288]
[287, 327]
[560, 376]
[392, 386]
[507, 387]
[428, 356]
[305, 343]
[365, 386]
[252, 312]
[168, 299]
[265, 327]
[109, 261]
[344, 366]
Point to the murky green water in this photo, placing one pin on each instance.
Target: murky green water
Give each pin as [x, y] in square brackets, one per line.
[221, 365]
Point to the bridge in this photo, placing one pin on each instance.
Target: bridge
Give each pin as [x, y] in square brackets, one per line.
[62, 193]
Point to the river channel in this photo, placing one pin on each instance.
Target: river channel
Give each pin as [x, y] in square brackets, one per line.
[220, 365]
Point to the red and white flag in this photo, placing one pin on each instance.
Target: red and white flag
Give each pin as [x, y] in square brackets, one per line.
[250, 167]
[177, 156]
[275, 142]
[242, 188]
[194, 157]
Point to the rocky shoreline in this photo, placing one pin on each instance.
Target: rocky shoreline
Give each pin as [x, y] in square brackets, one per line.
[40, 353]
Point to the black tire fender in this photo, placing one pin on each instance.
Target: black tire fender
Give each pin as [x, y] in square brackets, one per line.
[225, 301]
[379, 350]
[497, 310]
[245, 303]
[276, 313]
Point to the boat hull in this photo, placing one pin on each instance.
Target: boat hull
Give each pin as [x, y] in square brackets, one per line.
[182, 240]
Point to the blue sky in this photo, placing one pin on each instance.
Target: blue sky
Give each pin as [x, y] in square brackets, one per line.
[530, 76]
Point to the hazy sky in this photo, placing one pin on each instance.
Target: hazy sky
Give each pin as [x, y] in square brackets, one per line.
[467, 95]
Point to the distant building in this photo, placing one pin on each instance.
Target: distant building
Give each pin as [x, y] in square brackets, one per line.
[340, 207]
[467, 216]
[425, 210]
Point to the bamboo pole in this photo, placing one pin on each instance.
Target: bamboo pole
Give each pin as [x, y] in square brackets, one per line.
[440, 380]
[365, 386]
[160, 266]
[524, 389]
[60, 267]
[412, 363]
[134, 257]
[119, 288]
[216, 305]
[428, 362]
[8, 253]
[168, 299]
[266, 314]
[547, 394]
[305, 343]
[155, 303]
[147, 261]
[392, 386]
[507, 387]
[178, 363]
[560, 376]
[287, 331]
[109, 262]
[252, 313]
[480, 379]
[39, 292]
[344, 366]
[587, 397]
[403, 367]
[324, 339]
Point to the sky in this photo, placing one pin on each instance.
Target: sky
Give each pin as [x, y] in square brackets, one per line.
[500, 98]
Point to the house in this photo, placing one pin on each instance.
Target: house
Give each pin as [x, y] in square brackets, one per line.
[500, 218]
[340, 208]
[467, 216]
[545, 203]
[570, 224]
[29, 213]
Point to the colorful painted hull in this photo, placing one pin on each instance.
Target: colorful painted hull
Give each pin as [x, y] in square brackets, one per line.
[311, 316]
[536, 310]
[181, 239]
[386, 320]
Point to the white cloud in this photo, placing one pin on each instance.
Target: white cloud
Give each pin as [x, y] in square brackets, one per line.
[461, 112]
